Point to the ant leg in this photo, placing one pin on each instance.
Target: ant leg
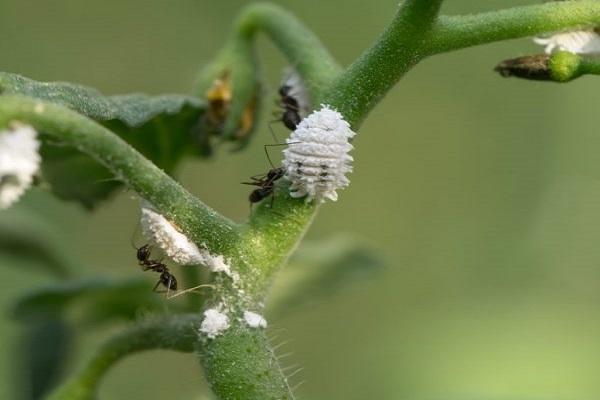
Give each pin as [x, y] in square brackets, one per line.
[156, 286]
[275, 145]
[272, 131]
[193, 289]
[272, 199]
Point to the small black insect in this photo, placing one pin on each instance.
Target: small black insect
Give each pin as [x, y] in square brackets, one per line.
[291, 108]
[166, 278]
[266, 185]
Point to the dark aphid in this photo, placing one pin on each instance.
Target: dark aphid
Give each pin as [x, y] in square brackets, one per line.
[166, 278]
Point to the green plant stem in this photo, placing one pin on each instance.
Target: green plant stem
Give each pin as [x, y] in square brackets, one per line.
[269, 238]
[198, 221]
[366, 81]
[564, 66]
[457, 32]
[302, 47]
[590, 66]
[177, 333]
[241, 365]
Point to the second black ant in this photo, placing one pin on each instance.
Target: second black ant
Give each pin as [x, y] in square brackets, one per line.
[166, 278]
[266, 185]
[291, 108]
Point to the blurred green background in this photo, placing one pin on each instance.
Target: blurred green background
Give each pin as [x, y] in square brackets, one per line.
[482, 192]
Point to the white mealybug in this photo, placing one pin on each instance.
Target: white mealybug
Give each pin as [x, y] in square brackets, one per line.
[254, 320]
[316, 160]
[214, 323]
[163, 234]
[19, 161]
[578, 42]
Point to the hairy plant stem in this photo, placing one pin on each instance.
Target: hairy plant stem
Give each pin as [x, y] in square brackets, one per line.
[368, 79]
[240, 363]
[301, 47]
[457, 32]
[198, 221]
[178, 333]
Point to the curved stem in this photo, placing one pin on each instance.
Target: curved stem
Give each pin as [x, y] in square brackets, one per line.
[173, 333]
[303, 48]
[367, 80]
[457, 32]
[200, 222]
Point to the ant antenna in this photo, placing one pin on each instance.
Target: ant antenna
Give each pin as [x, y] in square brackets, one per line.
[275, 145]
[193, 289]
[271, 129]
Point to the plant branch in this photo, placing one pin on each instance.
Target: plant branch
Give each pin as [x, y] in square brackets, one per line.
[179, 333]
[457, 32]
[368, 79]
[240, 364]
[201, 223]
[302, 47]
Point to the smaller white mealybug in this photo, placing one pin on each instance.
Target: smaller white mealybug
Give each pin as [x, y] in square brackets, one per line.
[19, 161]
[578, 42]
[214, 323]
[316, 160]
[254, 320]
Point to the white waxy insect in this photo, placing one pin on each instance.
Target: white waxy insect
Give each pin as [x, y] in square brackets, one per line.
[214, 323]
[254, 320]
[19, 161]
[163, 234]
[316, 160]
[578, 42]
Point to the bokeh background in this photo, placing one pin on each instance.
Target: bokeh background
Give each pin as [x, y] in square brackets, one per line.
[482, 194]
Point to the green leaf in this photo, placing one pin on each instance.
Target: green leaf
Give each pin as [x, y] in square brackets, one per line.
[32, 250]
[163, 128]
[96, 301]
[321, 269]
[43, 350]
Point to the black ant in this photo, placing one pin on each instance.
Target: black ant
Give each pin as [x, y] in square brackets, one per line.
[266, 182]
[291, 108]
[266, 185]
[166, 278]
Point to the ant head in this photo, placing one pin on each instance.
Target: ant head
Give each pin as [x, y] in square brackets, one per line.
[291, 119]
[143, 253]
[284, 90]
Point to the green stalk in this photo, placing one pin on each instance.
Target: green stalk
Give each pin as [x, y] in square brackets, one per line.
[457, 32]
[301, 46]
[197, 220]
[368, 79]
[178, 333]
